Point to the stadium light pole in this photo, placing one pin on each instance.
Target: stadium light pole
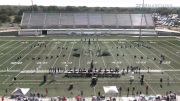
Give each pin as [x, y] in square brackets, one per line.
[140, 31]
[32, 6]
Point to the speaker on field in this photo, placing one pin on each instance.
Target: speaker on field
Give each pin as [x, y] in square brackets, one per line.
[44, 78]
[14, 78]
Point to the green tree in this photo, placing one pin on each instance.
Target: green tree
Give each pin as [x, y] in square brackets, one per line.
[17, 19]
[52, 9]
[4, 18]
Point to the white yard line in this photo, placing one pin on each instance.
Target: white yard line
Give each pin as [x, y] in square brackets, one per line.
[5, 43]
[47, 54]
[59, 55]
[29, 62]
[151, 87]
[178, 37]
[32, 54]
[146, 68]
[8, 46]
[170, 51]
[123, 58]
[69, 54]
[151, 61]
[6, 79]
[164, 54]
[79, 40]
[23, 56]
[57, 83]
[167, 55]
[146, 56]
[14, 55]
[102, 56]
[54, 39]
[112, 55]
[80, 54]
[8, 51]
[140, 52]
[23, 69]
[168, 65]
[173, 44]
[90, 54]
[121, 81]
[46, 71]
[159, 58]
[63, 83]
[4, 75]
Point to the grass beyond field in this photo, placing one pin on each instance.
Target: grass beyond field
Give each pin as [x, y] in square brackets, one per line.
[29, 54]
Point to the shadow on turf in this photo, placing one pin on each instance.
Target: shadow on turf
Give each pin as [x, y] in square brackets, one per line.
[45, 81]
[42, 83]
[51, 81]
[11, 84]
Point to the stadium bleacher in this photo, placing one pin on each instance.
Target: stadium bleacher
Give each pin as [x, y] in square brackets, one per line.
[138, 20]
[52, 20]
[95, 20]
[46, 20]
[110, 20]
[83, 23]
[36, 20]
[81, 20]
[126, 22]
[67, 20]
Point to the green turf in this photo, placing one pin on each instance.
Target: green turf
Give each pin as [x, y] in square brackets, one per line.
[13, 47]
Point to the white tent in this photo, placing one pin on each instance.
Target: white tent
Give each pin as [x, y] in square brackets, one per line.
[178, 98]
[20, 92]
[110, 89]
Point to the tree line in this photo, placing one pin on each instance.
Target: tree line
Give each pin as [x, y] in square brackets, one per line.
[15, 12]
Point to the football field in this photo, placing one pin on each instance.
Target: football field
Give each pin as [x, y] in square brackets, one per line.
[30, 58]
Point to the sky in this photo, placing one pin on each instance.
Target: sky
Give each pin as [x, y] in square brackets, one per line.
[96, 3]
